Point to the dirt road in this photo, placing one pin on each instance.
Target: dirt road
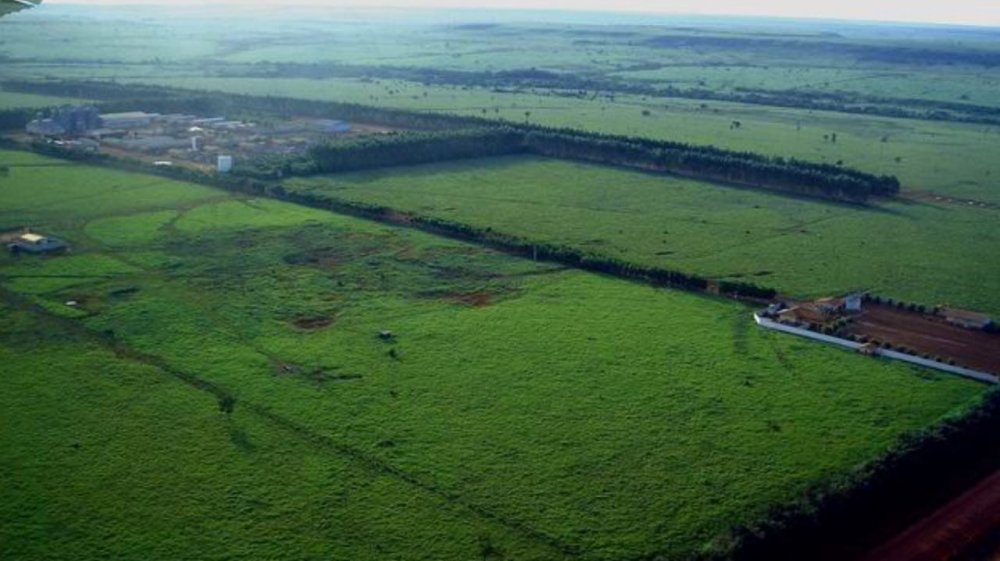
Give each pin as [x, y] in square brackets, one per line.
[950, 531]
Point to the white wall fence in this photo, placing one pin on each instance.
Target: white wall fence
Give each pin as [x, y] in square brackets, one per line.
[895, 355]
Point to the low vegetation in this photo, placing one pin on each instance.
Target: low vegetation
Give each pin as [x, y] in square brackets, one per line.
[270, 314]
[800, 247]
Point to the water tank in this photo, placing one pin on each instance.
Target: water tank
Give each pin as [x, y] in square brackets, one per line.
[225, 164]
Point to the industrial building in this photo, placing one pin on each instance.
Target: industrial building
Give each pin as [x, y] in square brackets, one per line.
[129, 120]
[69, 120]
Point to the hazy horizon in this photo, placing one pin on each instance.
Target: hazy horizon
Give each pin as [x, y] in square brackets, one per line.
[961, 12]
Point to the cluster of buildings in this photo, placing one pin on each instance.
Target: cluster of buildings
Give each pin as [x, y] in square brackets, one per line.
[820, 313]
[828, 311]
[209, 141]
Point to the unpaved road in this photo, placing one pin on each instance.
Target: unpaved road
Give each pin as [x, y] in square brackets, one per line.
[950, 531]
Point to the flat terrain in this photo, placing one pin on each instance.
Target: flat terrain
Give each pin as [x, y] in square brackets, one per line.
[521, 410]
[220, 390]
[685, 79]
[915, 251]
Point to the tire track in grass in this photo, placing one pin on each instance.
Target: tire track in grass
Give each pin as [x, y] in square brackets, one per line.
[227, 399]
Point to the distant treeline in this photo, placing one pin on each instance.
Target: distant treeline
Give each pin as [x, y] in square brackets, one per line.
[827, 47]
[590, 85]
[448, 137]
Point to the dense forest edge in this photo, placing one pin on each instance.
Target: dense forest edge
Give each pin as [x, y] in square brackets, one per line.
[434, 138]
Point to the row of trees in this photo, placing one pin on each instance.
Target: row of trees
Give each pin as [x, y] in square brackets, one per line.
[703, 162]
[708, 162]
[415, 148]
[583, 85]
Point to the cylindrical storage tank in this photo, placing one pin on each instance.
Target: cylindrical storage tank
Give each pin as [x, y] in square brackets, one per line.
[225, 164]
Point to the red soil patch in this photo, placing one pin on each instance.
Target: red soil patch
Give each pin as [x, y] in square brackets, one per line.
[951, 531]
[930, 335]
[312, 323]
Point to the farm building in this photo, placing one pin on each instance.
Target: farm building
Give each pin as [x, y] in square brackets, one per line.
[967, 319]
[822, 311]
[129, 120]
[36, 244]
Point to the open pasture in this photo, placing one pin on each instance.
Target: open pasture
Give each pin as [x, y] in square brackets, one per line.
[914, 251]
[522, 410]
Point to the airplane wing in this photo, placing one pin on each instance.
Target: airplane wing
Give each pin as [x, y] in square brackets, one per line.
[10, 6]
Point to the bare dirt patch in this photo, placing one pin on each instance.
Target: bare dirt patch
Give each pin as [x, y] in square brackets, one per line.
[929, 335]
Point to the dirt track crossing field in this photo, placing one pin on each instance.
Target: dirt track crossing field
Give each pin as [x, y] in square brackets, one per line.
[950, 532]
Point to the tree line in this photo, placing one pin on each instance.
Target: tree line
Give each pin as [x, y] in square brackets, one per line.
[386, 150]
[587, 85]
[699, 162]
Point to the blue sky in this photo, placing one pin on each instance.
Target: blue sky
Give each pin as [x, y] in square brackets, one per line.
[974, 12]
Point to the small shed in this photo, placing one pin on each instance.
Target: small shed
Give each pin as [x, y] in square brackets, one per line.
[36, 244]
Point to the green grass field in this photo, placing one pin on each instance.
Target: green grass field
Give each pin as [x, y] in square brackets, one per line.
[914, 251]
[522, 411]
